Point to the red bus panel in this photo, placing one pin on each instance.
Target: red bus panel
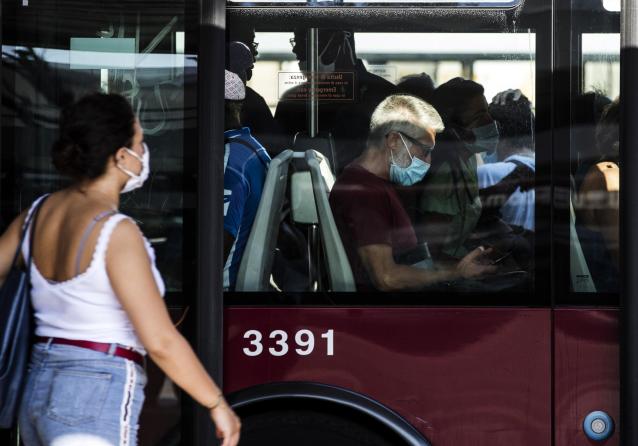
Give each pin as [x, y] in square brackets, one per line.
[462, 376]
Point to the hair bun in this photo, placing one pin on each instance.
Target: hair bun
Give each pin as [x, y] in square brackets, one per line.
[67, 157]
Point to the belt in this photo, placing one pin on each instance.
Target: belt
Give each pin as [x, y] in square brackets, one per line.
[114, 349]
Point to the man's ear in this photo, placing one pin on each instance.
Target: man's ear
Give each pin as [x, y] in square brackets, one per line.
[393, 140]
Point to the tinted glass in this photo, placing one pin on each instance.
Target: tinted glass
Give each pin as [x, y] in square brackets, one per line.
[52, 54]
[484, 197]
[595, 171]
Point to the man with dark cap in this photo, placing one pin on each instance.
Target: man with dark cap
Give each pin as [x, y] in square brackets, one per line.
[450, 205]
[245, 166]
[255, 112]
[348, 119]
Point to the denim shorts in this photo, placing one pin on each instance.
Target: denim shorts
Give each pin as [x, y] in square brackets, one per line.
[75, 396]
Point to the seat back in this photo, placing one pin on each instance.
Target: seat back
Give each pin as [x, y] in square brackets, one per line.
[256, 263]
[339, 271]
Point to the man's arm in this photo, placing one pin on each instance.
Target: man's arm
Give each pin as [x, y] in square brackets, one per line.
[386, 275]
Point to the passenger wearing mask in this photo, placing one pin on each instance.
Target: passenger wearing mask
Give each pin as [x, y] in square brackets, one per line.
[255, 113]
[510, 175]
[347, 121]
[245, 166]
[450, 206]
[598, 205]
[373, 225]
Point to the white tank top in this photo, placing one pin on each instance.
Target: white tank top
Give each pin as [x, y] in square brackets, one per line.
[85, 307]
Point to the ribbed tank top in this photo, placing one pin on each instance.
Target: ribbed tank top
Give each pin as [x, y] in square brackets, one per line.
[85, 307]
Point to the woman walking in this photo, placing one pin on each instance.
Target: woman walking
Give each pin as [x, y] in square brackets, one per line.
[97, 295]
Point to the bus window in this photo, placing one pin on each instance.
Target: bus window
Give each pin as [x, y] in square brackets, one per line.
[466, 225]
[595, 174]
[52, 55]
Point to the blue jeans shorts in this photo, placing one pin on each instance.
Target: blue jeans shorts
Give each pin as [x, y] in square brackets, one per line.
[79, 397]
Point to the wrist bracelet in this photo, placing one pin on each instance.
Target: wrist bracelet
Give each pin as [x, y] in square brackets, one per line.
[220, 398]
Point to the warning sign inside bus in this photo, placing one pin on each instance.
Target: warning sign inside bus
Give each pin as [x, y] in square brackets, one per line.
[335, 86]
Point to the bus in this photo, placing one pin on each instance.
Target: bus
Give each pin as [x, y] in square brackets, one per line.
[531, 354]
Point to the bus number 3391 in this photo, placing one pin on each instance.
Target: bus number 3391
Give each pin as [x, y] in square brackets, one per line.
[278, 343]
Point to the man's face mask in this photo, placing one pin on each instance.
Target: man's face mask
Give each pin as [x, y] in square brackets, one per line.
[344, 48]
[136, 181]
[485, 139]
[407, 176]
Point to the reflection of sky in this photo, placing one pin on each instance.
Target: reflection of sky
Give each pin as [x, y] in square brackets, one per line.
[94, 59]
[394, 2]
[417, 43]
[442, 43]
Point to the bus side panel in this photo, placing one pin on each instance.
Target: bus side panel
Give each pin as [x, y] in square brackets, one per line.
[462, 376]
[587, 371]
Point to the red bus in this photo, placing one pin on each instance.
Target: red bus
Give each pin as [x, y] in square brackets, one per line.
[528, 355]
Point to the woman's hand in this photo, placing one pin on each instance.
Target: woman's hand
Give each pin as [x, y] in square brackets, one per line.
[227, 424]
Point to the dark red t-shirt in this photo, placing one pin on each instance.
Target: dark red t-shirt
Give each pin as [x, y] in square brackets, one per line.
[367, 211]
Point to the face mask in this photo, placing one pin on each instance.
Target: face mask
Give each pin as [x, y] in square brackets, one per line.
[345, 48]
[485, 139]
[407, 176]
[136, 181]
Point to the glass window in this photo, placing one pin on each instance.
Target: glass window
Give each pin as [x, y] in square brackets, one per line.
[52, 56]
[595, 173]
[347, 216]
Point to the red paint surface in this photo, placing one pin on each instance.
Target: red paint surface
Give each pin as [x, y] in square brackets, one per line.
[462, 376]
[587, 374]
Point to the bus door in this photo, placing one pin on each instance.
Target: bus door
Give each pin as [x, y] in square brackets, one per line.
[315, 351]
[586, 230]
[54, 53]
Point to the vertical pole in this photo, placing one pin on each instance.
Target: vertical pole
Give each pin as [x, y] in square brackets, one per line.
[210, 185]
[312, 53]
[629, 221]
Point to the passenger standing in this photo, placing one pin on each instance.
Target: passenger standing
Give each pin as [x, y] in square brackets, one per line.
[245, 166]
[97, 295]
[598, 205]
[347, 119]
[256, 114]
[513, 113]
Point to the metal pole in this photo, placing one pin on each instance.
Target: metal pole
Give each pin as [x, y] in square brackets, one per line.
[210, 192]
[629, 222]
[312, 53]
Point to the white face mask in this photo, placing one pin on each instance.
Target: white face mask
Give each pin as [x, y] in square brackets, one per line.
[136, 181]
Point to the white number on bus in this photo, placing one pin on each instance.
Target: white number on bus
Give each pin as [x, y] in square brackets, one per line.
[255, 343]
[304, 342]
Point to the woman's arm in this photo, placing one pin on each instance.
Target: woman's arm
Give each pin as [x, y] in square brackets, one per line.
[9, 244]
[130, 273]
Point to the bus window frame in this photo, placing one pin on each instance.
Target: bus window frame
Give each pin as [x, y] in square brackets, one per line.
[540, 21]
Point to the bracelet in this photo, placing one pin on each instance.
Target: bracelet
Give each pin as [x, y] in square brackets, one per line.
[220, 398]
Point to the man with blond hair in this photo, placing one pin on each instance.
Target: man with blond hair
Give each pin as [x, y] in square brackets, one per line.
[372, 222]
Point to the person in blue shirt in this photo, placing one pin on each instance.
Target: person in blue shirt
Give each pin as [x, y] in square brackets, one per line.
[245, 167]
[515, 152]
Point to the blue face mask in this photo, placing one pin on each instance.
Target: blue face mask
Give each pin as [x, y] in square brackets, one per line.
[485, 139]
[407, 176]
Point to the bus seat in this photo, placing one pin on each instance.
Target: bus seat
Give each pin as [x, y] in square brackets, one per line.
[339, 271]
[256, 264]
[582, 281]
[322, 143]
[302, 200]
